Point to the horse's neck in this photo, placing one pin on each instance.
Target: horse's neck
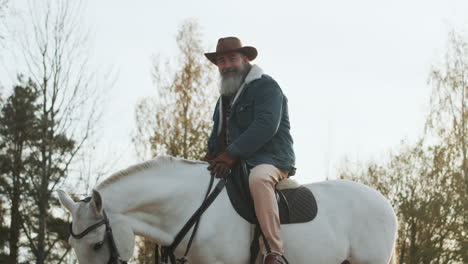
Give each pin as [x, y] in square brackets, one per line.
[156, 202]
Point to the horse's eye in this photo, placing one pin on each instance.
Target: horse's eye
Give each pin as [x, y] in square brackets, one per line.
[98, 245]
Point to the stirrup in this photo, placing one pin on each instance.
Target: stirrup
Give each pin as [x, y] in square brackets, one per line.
[281, 255]
[269, 253]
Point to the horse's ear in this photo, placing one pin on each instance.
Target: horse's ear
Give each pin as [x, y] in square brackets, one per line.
[66, 201]
[97, 203]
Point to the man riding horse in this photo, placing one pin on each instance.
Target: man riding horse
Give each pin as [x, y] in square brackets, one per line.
[251, 123]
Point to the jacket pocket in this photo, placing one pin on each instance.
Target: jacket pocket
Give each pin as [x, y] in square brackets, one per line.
[245, 114]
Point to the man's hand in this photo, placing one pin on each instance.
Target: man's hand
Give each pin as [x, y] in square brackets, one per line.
[208, 157]
[222, 164]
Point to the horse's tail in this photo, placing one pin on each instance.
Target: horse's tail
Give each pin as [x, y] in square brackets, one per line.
[393, 257]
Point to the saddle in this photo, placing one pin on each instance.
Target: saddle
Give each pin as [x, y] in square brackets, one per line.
[296, 203]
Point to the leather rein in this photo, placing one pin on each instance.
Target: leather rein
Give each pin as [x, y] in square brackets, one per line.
[114, 252]
[167, 252]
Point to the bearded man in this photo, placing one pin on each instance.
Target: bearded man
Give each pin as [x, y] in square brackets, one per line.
[251, 123]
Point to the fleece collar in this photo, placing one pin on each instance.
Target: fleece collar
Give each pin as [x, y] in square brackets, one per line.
[255, 73]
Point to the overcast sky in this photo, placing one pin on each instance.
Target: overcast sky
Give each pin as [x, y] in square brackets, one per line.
[355, 72]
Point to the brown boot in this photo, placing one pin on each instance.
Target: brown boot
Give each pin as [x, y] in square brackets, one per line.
[273, 258]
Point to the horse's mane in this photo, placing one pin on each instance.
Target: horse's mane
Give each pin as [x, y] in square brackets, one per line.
[156, 162]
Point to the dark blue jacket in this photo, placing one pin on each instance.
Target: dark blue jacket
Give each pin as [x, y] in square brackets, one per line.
[258, 127]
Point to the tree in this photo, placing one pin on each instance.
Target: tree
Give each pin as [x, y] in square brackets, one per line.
[18, 121]
[4, 256]
[426, 182]
[3, 9]
[53, 48]
[448, 117]
[3, 5]
[177, 122]
[448, 122]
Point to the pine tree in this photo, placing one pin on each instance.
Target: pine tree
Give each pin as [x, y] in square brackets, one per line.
[18, 122]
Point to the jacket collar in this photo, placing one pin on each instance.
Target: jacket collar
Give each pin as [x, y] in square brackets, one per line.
[255, 73]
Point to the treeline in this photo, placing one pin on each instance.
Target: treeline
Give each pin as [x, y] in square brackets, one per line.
[49, 115]
[426, 182]
[46, 118]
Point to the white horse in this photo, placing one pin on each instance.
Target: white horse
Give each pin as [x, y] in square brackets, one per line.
[155, 199]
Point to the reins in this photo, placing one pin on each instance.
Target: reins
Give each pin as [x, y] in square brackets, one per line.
[167, 252]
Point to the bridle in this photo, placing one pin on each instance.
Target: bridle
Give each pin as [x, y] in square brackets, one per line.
[114, 252]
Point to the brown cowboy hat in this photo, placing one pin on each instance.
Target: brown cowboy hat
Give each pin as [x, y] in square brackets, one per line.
[231, 44]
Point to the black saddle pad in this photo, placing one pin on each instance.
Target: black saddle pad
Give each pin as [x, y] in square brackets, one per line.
[296, 205]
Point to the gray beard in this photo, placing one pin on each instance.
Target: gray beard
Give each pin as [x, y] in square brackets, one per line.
[230, 85]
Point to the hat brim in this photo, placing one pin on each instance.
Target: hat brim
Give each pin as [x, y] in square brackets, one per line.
[249, 52]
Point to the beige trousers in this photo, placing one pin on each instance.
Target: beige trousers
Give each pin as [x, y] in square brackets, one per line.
[262, 181]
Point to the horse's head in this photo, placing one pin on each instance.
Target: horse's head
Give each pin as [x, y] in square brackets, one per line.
[94, 237]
